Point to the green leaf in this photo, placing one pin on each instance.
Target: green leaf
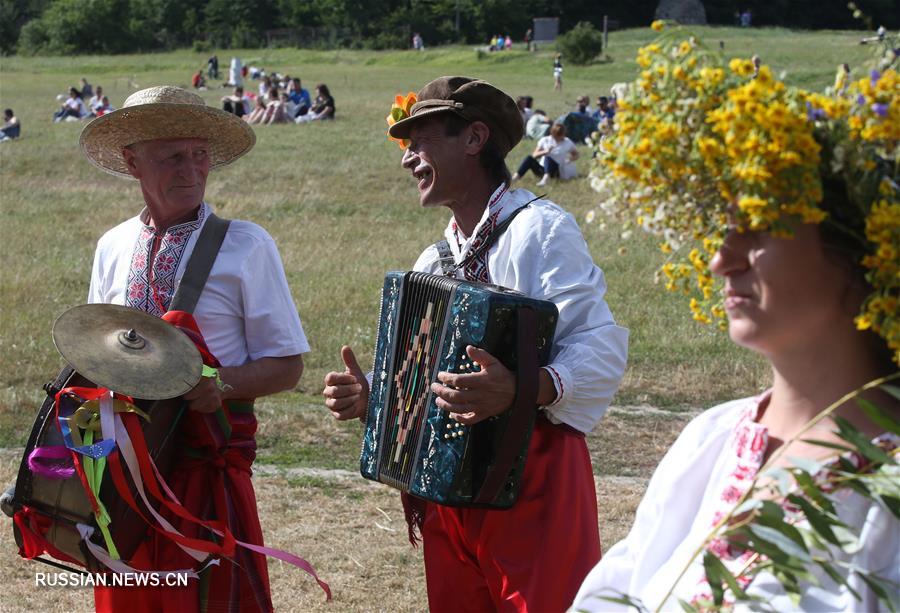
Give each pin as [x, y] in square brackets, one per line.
[863, 445]
[729, 578]
[772, 511]
[893, 390]
[892, 503]
[790, 531]
[782, 477]
[748, 505]
[817, 520]
[832, 572]
[876, 585]
[686, 606]
[884, 419]
[626, 600]
[780, 539]
[713, 566]
[829, 444]
[811, 489]
[806, 464]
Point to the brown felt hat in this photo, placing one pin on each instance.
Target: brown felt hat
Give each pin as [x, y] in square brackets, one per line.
[471, 99]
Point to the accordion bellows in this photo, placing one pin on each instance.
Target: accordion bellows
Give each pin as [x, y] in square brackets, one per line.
[426, 322]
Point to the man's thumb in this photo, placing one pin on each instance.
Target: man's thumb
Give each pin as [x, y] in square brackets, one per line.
[349, 359]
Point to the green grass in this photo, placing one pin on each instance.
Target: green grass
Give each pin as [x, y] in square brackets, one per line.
[339, 206]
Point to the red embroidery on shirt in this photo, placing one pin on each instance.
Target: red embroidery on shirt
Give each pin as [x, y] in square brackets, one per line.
[477, 269]
[151, 277]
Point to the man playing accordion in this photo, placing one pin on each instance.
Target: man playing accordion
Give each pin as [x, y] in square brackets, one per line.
[456, 134]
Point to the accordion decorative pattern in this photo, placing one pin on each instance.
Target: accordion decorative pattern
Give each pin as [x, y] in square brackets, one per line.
[426, 322]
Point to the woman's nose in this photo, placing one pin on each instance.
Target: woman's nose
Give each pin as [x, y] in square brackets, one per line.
[732, 255]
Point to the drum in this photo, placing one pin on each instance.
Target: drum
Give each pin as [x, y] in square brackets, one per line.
[64, 502]
[137, 355]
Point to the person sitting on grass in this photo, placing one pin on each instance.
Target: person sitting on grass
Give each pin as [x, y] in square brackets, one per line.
[752, 493]
[322, 108]
[198, 81]
[537, 125]
[237, 103]
[300, 97]
[104, 107]
[96, 100]
[258, 112]
[275, 110]
[554, 156]
[73, 108]
[11, 127]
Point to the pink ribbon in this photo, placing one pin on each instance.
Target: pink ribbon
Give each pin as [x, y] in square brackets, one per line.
[51, 462]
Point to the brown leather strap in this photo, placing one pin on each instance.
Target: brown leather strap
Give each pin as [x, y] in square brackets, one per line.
[523, 410]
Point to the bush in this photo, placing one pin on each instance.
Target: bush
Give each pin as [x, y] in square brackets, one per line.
[202, 46]
[33, 38]
[581, 44]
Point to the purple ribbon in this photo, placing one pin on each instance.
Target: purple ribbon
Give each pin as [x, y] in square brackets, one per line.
[51, 462]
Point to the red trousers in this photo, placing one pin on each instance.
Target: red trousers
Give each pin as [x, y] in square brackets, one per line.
[532, 557]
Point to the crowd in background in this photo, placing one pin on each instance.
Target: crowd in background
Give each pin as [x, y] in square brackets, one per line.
[83, 103]
[555, 153]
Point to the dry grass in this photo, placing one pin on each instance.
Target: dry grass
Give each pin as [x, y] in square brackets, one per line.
[353, 531]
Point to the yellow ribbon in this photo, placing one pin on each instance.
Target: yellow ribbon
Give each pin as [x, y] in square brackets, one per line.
[87, 416]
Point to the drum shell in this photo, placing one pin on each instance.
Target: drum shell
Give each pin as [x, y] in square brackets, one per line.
[65, 502]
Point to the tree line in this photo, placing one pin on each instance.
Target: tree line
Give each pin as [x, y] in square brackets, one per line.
[120, 26]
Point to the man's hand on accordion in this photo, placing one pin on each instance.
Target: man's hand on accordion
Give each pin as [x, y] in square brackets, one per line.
[473, 397]
[347, 393]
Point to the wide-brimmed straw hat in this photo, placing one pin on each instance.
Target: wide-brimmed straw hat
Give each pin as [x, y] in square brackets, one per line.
[164, 112]
[471, 99]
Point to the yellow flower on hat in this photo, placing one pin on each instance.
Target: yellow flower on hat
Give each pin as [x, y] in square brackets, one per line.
[400, 110]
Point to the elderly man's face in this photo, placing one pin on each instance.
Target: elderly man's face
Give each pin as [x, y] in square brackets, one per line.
[436, 161]
[172, 173]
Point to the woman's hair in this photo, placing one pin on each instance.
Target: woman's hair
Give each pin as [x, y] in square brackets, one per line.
[558, 131]
[323, 89]
[842, 235]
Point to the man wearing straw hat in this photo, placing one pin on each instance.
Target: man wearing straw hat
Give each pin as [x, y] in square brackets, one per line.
[169, 140]
[455, 135]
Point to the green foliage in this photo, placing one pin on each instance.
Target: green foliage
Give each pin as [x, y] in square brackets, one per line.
[581, 44]
[68, 26]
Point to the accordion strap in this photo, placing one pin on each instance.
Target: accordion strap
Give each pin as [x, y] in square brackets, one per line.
[523, 410]
[448, 268]
[199, 266]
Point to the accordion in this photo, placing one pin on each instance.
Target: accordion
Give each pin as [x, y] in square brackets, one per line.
[425, 323]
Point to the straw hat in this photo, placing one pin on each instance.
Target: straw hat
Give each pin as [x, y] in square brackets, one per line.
[164, 112]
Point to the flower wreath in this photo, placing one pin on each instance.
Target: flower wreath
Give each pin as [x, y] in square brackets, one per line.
[700, 147]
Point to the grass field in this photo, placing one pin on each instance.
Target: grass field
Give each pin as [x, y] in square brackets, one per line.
[343, 212]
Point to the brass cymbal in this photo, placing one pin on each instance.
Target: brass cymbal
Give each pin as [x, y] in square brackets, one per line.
[128, 351]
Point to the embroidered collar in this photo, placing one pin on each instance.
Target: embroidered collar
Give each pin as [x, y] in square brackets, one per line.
[154, 262]
[477, 269]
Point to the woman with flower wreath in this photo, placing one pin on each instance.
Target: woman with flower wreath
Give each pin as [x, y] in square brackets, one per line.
[792, 200]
